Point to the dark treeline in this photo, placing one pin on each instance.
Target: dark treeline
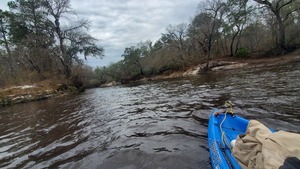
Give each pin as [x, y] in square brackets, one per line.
[44, 39]
[221, 28]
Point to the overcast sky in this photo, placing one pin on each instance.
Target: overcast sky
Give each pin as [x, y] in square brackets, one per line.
[122, 23]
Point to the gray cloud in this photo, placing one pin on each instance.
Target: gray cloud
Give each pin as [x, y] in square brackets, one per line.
[122, 23]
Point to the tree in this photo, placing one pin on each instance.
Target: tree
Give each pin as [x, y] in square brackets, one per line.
[205, 26]
[37, 39]
[5, 56]
[81, 43]
[57, 9]
[132, 59]
[4, 37]
[282, 10]
[18, 29]
[4, 30]
[32, 15]
[31, 32]
[199, 30]
[215, 9]
[237, 14]
[175, 38]
[146, 48]
[73, 35]
[255, 36]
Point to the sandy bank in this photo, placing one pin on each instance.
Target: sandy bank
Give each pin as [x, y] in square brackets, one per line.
[231, 63]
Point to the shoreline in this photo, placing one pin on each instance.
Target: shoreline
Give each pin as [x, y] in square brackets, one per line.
[29, 93]
[224, 64]
[35, 92]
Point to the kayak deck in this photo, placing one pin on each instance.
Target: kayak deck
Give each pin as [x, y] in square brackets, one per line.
[230, 126]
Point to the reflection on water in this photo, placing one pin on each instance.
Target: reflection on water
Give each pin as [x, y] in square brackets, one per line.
[152, 125]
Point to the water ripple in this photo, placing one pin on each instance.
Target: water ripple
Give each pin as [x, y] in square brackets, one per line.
[150, 125]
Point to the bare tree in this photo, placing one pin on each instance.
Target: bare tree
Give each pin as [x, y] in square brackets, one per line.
[205, 26]
[175, 38]
[4, 40]
[59, 9]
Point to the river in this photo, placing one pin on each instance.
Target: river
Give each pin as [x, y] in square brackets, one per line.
[153, 125]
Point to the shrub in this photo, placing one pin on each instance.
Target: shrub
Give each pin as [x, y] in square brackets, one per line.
[242, 53]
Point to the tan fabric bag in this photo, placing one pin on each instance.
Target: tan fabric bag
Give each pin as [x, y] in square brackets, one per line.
[259, 148]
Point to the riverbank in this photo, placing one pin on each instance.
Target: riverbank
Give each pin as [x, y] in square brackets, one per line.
[28, 93]
[224, 64]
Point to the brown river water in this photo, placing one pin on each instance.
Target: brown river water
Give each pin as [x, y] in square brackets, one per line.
[153, 125]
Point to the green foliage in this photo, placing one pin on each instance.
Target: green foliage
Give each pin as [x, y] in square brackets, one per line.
[242, 53]
[132, 61]
[35, 45]
[82, 43]
[68, 89]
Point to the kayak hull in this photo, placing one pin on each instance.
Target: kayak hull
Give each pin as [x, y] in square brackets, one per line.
[219, 147]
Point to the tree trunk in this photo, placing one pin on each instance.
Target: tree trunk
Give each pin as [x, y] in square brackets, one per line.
[181, 56]
[67, 69]
[208, 59]
[6, 46]
[10, 59]
[5, 41]
[276, 9]
[281, 33]
[36, 67]
[137, 63]
[231, 44]
[64, 58]
[240, 30]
